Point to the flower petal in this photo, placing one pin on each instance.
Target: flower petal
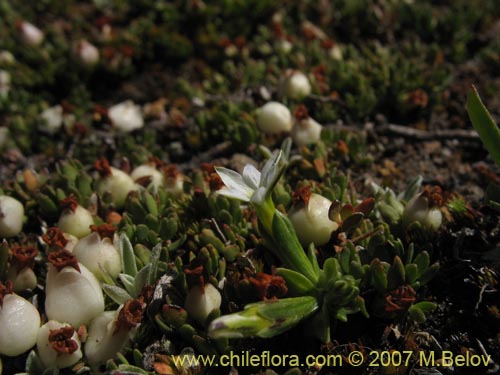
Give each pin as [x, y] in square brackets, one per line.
[235, 194]
[251, 176]
[234, 181]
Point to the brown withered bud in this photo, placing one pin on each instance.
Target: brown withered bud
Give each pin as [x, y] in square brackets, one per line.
[301, 112]
[215, 182]
[63, 258]
[434, 195]
[69, 203]
[268, 286]
[5, 289]
[194, 276]
[54, 237]
[104, 231]
[171, 171]
[400, 299]
[102, 166]
[24, 256]
[61, 340]
[130, 315]
[302, 195]
[113, 218]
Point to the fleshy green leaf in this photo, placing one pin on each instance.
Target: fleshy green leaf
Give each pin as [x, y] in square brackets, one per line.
[484, 124]
[127, 255]
[117, 294]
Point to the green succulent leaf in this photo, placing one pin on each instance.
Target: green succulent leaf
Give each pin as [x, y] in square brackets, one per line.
[297, 284]
[117, 294]
[484, 124]
[127, 255]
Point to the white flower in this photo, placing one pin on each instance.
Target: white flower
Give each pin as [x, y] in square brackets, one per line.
[58, 345]
[11, 216]
[421, 210]
[173, 180]
[201, 301]
[24, 279]
[311, 221]
[118, 183]
[87, 53]
[19, 325]
[148, 171]
[52, 119]
[6, 57]
[76, 221]
[295, 85]
[252, 185]
[4, 83]
[72, 296]
[126, 116]
[239, 186]
[284, 46]
[305, 130]
[274, 118]
[30, 34]
[335, 52]
[98, 254]
[106, 336]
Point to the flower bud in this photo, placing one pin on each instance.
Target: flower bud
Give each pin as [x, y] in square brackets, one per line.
[173, 180]
[75, 219]
[335, 53]
[424, 209]
[201, 301]
[97, 252]
[52, 119]
[311, 221]
[274, 118]
[87, 53]
[149, 174]
[11, 216]
[295, 85]
[19, 323]
[7, 58]
[73, 295]
[116, 182]
[21, 268]
[126, 116]
[305, 130]
[58, 345]
[30, 34]
[111, 331]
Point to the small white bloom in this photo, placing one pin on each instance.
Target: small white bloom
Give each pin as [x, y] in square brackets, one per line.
[30, 34]
[7, 58]
[76, 222]
[239, 186]
[311, 220]
[285, 46]
[126, 116]
[11, 216]
[200, 302]
[4, 83]
[58, 345]
[105, 339]
[52, 119]
[173, 180]
[19, 325]
[87, 53]
[336, 53]
[295, 85]
[274, 118]
[72, 296]
[419, 210]
[306, 130]
[24, 279]
[119, 184]
[98, 253]
[148, 171]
